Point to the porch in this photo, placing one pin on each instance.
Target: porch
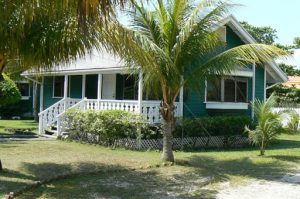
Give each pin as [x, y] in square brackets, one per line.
[101, 93]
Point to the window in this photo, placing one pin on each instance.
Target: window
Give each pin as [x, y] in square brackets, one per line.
[24, 90]
[227, 90]
[214, 90]
[130, 91]
[58, 86]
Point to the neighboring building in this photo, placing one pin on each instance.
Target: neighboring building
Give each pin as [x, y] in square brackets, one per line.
[293, 81]
[102, 82]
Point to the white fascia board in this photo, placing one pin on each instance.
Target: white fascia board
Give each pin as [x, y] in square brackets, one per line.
[79, 72]
[241, 73]
[227, 105]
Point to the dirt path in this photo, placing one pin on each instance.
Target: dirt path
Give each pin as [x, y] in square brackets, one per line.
[288, 188]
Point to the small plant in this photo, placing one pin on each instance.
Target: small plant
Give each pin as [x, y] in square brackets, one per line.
[268, 126]
[293, 124]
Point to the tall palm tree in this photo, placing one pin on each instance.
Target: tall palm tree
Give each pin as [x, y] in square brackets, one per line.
[174, 43]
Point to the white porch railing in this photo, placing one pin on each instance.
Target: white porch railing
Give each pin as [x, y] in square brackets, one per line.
[149, 109]
[49, 116]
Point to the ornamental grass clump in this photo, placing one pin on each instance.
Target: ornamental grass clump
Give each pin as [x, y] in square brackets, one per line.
[269, 124]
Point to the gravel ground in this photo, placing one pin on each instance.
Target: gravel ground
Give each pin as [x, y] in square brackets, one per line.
[287, 187]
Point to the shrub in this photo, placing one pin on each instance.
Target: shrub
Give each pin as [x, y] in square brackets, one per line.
[213, 126]
[293, 124]
[269, 124]
[106, 126]
[9, 92]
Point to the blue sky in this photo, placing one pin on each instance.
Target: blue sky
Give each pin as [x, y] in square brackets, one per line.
[283, 15]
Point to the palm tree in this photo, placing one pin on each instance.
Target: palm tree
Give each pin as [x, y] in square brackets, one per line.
[268, 123]
[174, 45]
[41, 33]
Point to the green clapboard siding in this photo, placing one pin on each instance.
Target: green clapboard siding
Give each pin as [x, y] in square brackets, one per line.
[75, 84]
[48, 92]
[194, 103]
[194, 100]
[259, 83]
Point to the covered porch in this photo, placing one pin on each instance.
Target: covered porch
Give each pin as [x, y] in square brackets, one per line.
[105, 90]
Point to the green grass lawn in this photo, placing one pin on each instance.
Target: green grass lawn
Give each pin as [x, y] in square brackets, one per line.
[15, 124]
[195, 174]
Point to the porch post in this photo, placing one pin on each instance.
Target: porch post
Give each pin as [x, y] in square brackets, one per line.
[253, 88]
[83, 86]
[181, 99]
[99, 93]
[66, 91]
[41, 106]
[66, 86]
[140, 92]
[42, 95]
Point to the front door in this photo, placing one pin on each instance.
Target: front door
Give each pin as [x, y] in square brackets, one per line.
[109, 86]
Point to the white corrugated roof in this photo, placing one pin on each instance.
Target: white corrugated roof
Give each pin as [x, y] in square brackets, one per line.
[96, 61]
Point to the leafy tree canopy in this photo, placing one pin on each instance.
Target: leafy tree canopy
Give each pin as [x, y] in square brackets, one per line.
[264, 35]
[9, 92]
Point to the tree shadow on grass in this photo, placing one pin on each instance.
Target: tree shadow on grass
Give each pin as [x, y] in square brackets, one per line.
[222, 170]
[119, 182]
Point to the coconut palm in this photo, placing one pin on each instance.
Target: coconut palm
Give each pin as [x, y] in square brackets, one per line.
[41, 33]
[269, 123]
[174, 43]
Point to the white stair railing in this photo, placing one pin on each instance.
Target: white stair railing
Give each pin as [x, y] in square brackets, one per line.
[48, 116]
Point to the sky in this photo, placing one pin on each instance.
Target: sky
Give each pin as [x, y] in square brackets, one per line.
[282, 15]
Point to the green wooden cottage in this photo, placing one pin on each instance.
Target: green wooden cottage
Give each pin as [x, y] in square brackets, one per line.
[101, 82]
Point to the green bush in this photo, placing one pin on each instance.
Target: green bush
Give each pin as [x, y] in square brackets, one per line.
[106, 126]
[212, 126]
[293, 124]
[9, 92]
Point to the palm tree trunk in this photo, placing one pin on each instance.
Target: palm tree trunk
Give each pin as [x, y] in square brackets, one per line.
[167, 112]
[2, 64]
[1, 168]
[262, 149]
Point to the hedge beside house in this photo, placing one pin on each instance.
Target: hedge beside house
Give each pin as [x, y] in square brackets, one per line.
[123, 129]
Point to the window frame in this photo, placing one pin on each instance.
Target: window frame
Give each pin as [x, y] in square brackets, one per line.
[236, 79]
[53, 86]
[23, 97]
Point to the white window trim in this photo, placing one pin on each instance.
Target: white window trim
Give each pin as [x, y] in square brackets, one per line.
[25, 82]
[53, 87]
[228, 105]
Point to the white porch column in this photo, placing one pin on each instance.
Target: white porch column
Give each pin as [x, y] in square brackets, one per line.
[83, 86]
[181, 99]
[140, 92]
[99, 92]
[41, 105]
[66, 86]
[42, 95]
[66, 92]
[253, 87]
